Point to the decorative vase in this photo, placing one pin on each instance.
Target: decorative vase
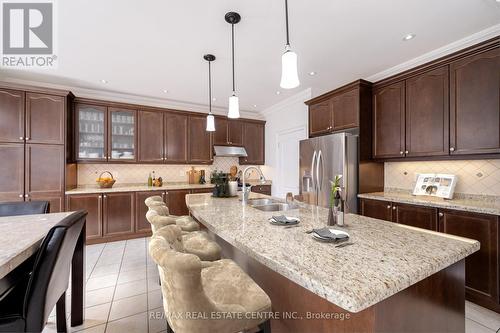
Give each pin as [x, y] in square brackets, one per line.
[331, 216]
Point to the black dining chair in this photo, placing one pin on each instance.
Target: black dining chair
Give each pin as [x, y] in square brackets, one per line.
[28, 306]
[24, 208]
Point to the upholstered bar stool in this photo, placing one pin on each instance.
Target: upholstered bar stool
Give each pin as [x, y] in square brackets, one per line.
[223, 297]
[158, 215]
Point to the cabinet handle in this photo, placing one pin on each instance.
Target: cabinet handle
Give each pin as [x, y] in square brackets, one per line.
[441, 214]
[20, 195]
[27, 138]
[394, 208]
[406, 151]
[452, 149]
[21, 138]
[104, 196]
[26, 195]
[388, 206]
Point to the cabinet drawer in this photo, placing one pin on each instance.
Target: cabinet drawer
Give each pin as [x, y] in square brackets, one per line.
[262, 189]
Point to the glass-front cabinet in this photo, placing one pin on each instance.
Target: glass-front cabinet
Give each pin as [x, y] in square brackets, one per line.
[105, 133]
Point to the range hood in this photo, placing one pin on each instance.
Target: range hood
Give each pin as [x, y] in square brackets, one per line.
[232, 151]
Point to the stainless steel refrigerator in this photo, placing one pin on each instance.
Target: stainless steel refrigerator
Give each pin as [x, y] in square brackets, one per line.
[321, 159]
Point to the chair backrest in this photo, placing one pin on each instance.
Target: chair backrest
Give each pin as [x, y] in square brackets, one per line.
[153, 200]
[24, 208]
[49, 279]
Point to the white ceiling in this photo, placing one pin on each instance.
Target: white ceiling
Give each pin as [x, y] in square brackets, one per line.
[144, 47]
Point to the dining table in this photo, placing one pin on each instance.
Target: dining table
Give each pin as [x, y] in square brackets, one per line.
[20, 239]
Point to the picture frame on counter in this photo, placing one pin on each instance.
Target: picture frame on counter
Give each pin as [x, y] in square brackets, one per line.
[435, 185]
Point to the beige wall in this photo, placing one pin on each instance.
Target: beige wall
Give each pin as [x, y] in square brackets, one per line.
[478, 177]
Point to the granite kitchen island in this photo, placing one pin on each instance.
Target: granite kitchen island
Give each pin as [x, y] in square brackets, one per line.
[394, 278]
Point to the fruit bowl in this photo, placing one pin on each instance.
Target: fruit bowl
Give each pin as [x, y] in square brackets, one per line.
[105, 182]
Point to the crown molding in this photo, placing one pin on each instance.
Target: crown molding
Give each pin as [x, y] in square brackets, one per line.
[133, 99]
[299, 97]
[458, 45]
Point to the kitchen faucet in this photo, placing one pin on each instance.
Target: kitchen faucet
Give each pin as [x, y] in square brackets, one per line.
[246, 192]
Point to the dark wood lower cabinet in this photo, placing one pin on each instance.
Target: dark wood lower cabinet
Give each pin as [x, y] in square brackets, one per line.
[376, 209]
[482, 267]
[92, 203]
[202, 190]
[176, 201]
[11, 172]
[262, 189]
[118, 213]
[141, 224]
[415, 216]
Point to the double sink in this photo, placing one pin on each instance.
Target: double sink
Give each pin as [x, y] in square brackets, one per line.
[271, 205]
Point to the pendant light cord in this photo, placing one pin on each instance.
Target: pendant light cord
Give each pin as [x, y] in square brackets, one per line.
[232, 51]
[286, 19]
[209, 89]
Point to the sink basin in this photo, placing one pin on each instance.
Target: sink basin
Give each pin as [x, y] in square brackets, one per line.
[260, 202]
[275, 207]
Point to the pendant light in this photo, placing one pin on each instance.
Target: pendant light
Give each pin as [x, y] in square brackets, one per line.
[210, 117]
[234, 104]
[289, 76]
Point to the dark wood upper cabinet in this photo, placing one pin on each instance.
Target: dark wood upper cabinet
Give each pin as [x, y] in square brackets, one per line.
[176, 202]
[221, 134]
[345, 109]
[427, 114]
[415, 216]
[12, 172]
[150, 146]
[253, 141]
[176, 138]
[482, 267]
[92, 203]
[122, 134]
[389, 121]
[141, 223]
[475, 104]
[200, 141]
[376, 209]
[45, 118]
[118, 213]
[11, 115]
[320, 118]
[235, 132]
[91, 139]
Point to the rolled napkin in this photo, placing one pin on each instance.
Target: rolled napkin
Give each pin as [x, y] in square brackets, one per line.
[284, 220]
[330, 234]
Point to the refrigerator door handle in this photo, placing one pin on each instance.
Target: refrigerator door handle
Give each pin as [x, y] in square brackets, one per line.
[313, 160]
[319, 182]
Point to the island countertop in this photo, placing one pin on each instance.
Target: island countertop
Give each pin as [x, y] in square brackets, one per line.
[385, 258]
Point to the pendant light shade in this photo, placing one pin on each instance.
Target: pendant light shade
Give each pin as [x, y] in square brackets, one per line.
[289, 74]
[234, 104]
[210, 118]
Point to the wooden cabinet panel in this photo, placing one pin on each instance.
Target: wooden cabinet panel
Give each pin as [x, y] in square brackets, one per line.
[345, 108]
[91, 140]
[202, 190]
[481, 268]
[235, 135]
[56, 201]
[320, 118]
[150, 136]
[176, 138]
[475, 104]
[122, 135]
[12, 172]
[44, 172]
[11, 116]
[118, 213]
[176, 201]
[262, 189]
[376, 209]
[92, 203]
[427, 114]
[141, 223]
[45, 118]
[221, 134]
[415, 216]
[253, 141]
[200, 141]
[389, 121]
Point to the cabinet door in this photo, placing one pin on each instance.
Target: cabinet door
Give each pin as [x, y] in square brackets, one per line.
[389, 121]
[92, 203]
[141, 224]
[345, 108]
[44, 172]
[150, 136]
[475, 104]
[253, 141]
[45, 118]
[12, 172]
[12, 116]
[481, 268]
[200, 141]
[427, 114]
[377, 209]
[221, 131]
[235, 132]
[90, 131]
[202, 190]
[415, 216]
[320, 118]
[55, 200]
[262, 189]
[118, 213]
[176, 201]
[176, 138]
[121, 135]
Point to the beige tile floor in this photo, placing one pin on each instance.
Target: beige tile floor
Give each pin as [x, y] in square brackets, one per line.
[123, 294]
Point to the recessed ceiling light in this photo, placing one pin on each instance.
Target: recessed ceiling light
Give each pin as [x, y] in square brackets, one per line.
[408, 37]
[104, 81]
[165, 91]
[312, 73]
[278, 92]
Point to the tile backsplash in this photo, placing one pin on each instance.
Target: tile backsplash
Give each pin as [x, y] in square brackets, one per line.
[476, 177]
[138, 173]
